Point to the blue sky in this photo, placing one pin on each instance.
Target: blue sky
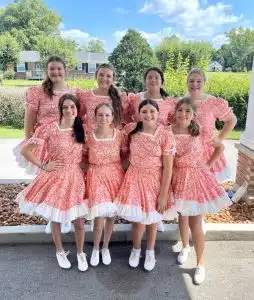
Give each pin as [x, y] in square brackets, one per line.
[108, 20]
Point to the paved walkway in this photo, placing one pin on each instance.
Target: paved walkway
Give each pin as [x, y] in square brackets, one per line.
[10, 172]
[30, 272]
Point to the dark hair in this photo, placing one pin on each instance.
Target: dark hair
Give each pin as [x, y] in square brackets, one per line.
[194, 128]
[113, 94]
[47, 84]
[197, 71]
[103, 104]
[139, 125]
[78, 128]
[163, 93]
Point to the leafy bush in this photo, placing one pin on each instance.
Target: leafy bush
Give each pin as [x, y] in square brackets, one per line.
[8, 75]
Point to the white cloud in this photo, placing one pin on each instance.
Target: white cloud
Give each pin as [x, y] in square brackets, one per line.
[190, 16]
[121, 10]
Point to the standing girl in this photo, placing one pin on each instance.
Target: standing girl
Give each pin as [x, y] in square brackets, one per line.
[196, 190]
[144, 194]
[57, 193]
[104, 178]
[41, 107]
[209, 109]
[105, 92]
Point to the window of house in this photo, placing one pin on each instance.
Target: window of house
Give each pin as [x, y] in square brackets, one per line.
[37, 67]
[91, 68]
[21, 67]
[79, 67]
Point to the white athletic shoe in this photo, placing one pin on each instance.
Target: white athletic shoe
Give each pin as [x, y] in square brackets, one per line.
[149, 261]
[183, 255]
[82, 262]
[106, 258]
[199, 275]
[95, 258]
[62, 260]
[134, 258]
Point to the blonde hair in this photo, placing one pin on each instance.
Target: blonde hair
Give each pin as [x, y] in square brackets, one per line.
[197, 71]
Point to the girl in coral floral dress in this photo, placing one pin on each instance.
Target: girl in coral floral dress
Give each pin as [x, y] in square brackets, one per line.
[209, 109]
[196, 190]
[104, 177]
[41, 107]
[105, 92]
[144, 195]
[57, 193]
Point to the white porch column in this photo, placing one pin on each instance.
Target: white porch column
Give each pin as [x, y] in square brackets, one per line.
[245, 162]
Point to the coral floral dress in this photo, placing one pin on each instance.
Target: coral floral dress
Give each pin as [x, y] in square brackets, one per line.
[105, 174]
[57, 195]
[137, 199]
[46, 110]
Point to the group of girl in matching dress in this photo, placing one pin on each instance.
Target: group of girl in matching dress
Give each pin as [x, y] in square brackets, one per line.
[143, 157]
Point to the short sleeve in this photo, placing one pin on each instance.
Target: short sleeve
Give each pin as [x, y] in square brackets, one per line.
[128, 128]
[126, 108]
[168, 143]
[81, 95]
[32, 98]
[172, 103]
[221, 109]
[40, 136]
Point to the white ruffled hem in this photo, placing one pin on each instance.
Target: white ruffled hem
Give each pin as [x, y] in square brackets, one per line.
[50, 213]
[193, 208]
[22, 162]
[106, 209]
[135, 214]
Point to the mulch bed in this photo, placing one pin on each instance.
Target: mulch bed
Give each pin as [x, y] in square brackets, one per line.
[240, 212]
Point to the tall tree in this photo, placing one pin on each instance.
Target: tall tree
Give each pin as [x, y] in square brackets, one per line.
[131, 58]
[27, 20]
[95, 46]
[9, 51]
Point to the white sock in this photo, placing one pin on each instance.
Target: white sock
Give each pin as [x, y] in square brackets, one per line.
[137, 250]
[150, 252]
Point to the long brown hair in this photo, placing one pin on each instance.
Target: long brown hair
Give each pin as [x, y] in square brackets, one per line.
[78, 128]
[47, 84]
[194, 128]
[113, 94]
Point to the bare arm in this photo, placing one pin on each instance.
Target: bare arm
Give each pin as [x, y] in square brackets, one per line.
[218, 150]
[228, 126]
[30, 121]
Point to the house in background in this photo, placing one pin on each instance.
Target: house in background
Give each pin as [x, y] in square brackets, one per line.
[29, 66]
[215, 67]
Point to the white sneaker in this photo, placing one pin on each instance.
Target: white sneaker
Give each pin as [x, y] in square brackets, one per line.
[106, 258]
[62, 260]
[95, 258]
[82, 262]
[183, 255]
[149, 261]
[160, 226]
[134, 258]
[199, 275]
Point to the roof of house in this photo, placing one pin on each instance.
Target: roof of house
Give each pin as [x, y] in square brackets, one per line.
[80, 56]
[215, 64]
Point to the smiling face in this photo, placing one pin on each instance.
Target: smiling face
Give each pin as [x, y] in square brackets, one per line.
[153, 80]
[69, 110]
[184, 115]
[56, 71]
[149, 114]
[104, 116]
[105, 78]
[196, 83]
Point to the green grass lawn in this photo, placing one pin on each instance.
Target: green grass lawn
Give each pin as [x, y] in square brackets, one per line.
[12, 133]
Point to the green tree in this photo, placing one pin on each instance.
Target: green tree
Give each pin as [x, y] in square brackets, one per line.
[56, 45]
[95, 46]
[28, 20]
[9, 51]
[131, 58]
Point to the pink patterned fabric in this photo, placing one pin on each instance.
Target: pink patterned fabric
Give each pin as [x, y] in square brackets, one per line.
[105, 173]
[196, 190]
[137, 199]
[58, 195]
[89, 101]
[208, 111]
[166, 107]
[46, 110]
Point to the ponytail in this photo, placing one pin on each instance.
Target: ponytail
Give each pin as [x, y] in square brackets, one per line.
[163, 93]
[116, 103]
[78, 129]
[138, 128]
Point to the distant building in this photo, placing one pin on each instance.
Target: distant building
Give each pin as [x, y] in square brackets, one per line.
[215, 67]
[29, 66]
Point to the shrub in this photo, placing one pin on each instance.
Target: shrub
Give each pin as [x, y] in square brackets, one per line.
[8, 75]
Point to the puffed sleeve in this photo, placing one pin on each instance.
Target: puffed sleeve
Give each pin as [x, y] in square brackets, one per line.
[168, 144]
[172, 103]
[32, 98]
[221, 109]
[41, 135]
[125, 101]
[82, 98]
